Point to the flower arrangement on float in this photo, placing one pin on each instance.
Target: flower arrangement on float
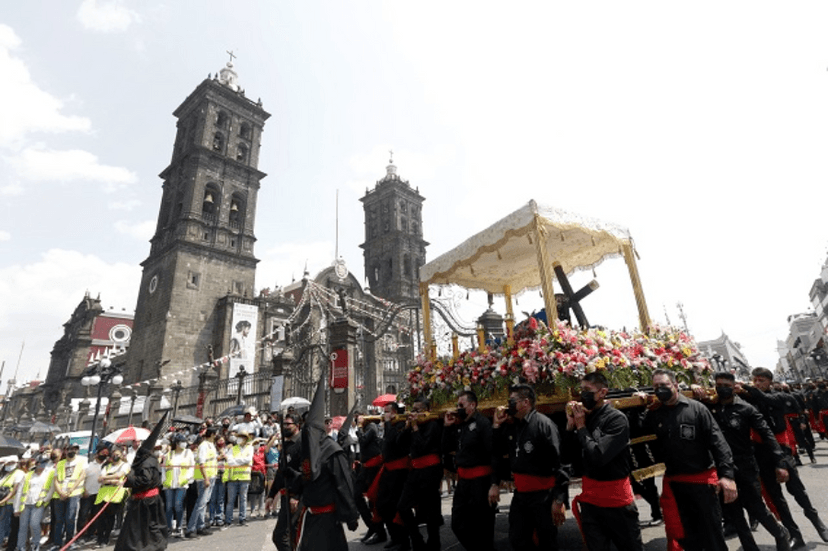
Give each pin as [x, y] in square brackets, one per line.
[554, 361]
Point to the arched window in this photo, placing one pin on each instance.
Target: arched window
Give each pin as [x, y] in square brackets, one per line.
[244, 131]
[406, 266]
[218, 142]
[237, 211]
[222, 120]
[211, 201]
[241, 153]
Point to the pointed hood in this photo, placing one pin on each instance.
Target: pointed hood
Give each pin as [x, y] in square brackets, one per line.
[148, 445]
[343, 438]
[313, 431]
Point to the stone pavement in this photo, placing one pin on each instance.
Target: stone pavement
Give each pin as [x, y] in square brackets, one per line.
[257, 534]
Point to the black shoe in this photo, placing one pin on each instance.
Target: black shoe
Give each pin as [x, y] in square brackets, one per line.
[242, 523]
[377, 537]
[391, 545]
[783, 540]
[754, 525]
[190, 535]
[797, 543]
[204, 532]
[367, 535]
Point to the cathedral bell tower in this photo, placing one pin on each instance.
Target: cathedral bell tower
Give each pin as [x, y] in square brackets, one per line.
[394, 248]
[202, 249]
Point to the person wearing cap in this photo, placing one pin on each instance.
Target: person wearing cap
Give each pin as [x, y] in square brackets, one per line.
[30, 502]
[205, 477]
[112, 492]
[250, 424]
[144, 527]
[237, 471]
[178, 473]
[70, 476]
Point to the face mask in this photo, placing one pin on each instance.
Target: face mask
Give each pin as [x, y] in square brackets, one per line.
[9, 468]
[101, 458]
[157, 453]
[70, 454]
[116, 458]
[588, 399]
[232, 439]
[219, 445]
[664, 394]
[512, 407]
[724, 392]
[182, 445]
[53, 458]
[226, 425]
[461, 413]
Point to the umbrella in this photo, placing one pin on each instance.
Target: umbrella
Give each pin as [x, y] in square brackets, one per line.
[337, 421]
[187, 420]
[232, 411]
[128, 434]
[10, 446]
[381, 401]
[39, 427]
[22, 426]
[295, 402]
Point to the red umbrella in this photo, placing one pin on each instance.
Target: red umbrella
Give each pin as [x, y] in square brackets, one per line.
[337, 421]
[381, 401]
[127, 435]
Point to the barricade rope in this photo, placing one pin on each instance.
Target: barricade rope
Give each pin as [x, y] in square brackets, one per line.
[93, 519]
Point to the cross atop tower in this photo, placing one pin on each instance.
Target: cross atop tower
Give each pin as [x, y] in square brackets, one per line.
[232, 56]
[391, 151]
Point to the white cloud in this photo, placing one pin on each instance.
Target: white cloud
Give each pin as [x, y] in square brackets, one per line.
[5, 236]
[104, 16]
[125, 205]
[142, 230]
[38, 298]
[24, 107]
[13, 189]
[283, 263]
[70, 165]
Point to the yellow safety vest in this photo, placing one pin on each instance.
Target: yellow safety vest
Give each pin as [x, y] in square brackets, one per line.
[108, 492]
[185, 471]
[239, 472]
[41, 499]
[74, 484]
[210, 465]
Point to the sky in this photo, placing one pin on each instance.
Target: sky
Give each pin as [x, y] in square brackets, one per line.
[699, 126]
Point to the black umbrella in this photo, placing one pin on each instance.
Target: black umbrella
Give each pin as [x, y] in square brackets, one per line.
[187, 420]
[232, 411]
[10, 446]
[39, 427]
[22, 426]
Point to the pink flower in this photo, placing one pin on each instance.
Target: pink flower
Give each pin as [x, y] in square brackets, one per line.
[530, 371]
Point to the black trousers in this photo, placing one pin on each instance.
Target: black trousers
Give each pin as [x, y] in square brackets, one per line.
[603, 526]
[472, 518]
[106, 522]
[281, 533]
[422, 492]
[390, 490]
[364, 479]
[767, 472]
[750, 498]
[701, 516]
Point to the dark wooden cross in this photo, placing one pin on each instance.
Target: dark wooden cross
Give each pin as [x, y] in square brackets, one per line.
[570, 299]
[232, 56]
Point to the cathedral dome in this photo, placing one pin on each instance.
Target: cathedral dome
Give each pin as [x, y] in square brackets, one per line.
[229, 77]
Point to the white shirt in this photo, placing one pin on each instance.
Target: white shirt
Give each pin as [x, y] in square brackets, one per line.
[91, 484]
[36, 484]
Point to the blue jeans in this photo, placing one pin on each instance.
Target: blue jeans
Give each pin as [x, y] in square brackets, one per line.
[30, 527]
[196, 521]
[175, 499]
[6, 513]
[217, 500]
[65, 511]
[236, 488]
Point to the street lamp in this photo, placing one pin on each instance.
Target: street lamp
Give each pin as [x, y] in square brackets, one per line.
[240, 376]
[100, 374]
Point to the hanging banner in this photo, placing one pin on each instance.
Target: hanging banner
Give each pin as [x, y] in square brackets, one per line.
[242, 350]
[276, 392]
[339, 368]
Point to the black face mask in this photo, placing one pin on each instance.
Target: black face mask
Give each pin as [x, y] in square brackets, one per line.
[588, 399]
[70, 455]
[821, 386]
[724, 392]
[226, 425]
[461, 414]
[664, 394]
[512, 408]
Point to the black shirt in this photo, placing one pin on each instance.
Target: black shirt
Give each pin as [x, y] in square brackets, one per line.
[394, 442]
[736, 421]
[534, 447]
[370, 444]
[690, 438]
[605, 442]
[426, 439]
[772, 405]
[472, 442]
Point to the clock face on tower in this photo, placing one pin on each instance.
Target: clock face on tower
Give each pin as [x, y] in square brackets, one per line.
[340, 269]
[153, 284]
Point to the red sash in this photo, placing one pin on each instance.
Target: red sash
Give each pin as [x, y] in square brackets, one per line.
[601, 493]
[397, 464]
[145, 495]
[789, 432]
[375, 461]
[533, 483]
[425, 461]
[320, 510]
[672, 519]
[468, 473]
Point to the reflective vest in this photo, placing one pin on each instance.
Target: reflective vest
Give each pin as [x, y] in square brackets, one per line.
[210, 462]
[44, 491]
[184, 468]
[74, 485]
[239, 462]
[109, 492]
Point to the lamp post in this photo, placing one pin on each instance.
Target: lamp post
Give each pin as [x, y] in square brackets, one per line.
[240, 376]
[100, 374]
[176, 388]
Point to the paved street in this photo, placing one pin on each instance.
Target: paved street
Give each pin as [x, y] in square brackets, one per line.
[257, 534]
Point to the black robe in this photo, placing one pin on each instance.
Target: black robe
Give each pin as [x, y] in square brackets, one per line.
[145, 524]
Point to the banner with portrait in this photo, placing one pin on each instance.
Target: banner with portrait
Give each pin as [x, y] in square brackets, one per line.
[242, 346]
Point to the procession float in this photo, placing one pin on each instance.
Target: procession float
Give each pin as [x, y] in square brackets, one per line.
[549, 350]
